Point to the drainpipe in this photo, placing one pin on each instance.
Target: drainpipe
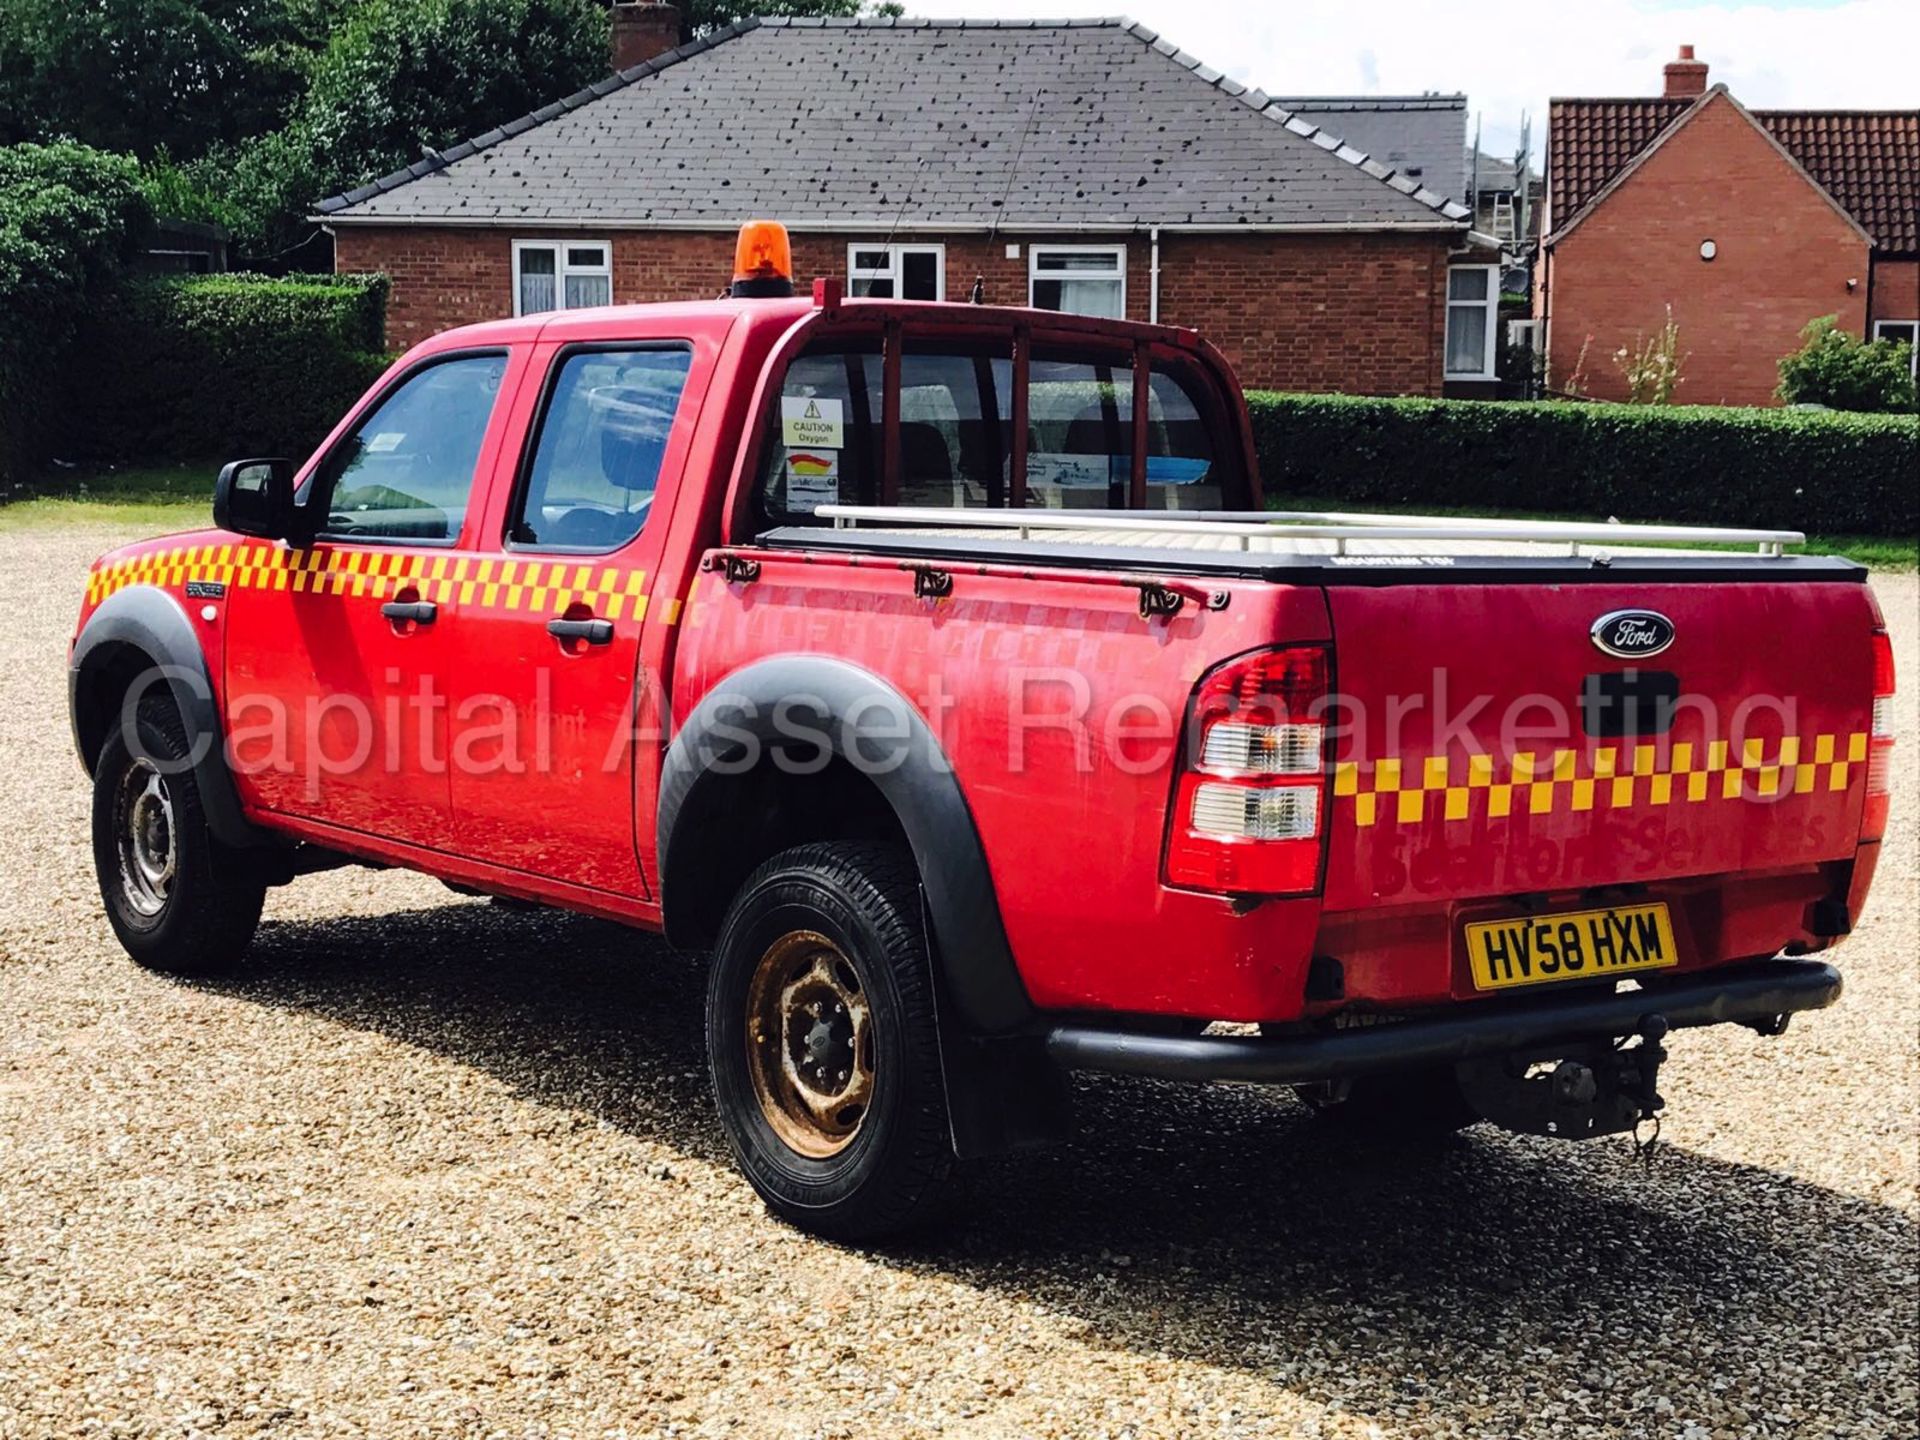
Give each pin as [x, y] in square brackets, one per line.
[1153, 278]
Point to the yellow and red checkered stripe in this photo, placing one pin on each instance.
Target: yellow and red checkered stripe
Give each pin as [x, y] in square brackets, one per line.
[1391, 790]
[529, 586]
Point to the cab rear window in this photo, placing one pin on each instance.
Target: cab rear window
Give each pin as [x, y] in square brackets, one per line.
[825, 438]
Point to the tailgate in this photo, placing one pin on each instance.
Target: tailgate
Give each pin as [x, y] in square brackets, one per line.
[1469, 767]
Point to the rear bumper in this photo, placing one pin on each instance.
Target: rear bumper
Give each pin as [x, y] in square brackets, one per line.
[1757, 991]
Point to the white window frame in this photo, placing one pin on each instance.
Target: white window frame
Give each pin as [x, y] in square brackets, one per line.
[1913, 355]
[895, 270]
[1492, 306]
[1036, 252]
[561, 269]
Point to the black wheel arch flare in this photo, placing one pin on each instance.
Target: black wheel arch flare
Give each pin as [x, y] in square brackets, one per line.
[751, 716]
[130, 636]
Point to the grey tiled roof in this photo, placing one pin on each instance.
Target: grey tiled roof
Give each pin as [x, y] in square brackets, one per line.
[1495, 173]
[1420, 135]
[916, 124]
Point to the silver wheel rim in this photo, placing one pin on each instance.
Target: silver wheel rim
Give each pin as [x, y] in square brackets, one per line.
[146, 835]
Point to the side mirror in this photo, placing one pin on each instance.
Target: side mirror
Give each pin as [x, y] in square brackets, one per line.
[255, 497]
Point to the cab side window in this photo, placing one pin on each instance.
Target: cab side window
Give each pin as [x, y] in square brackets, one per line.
[405, 471]
[590, 482]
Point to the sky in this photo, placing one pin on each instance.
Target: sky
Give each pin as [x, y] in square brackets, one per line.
[1772, 54]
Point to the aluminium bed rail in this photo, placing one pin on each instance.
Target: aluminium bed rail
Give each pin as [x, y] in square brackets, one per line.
[1337, 527]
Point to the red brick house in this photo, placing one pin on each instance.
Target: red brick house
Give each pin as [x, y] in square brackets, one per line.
[1747, 223]
[1083, 165]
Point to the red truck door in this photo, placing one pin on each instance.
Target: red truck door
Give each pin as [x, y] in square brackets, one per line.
[548, 673]
[338, 653]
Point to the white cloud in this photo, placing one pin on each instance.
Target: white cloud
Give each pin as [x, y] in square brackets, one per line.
[1857, 54]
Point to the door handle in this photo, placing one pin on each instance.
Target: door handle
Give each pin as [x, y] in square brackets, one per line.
[420, 612]
[594, 632]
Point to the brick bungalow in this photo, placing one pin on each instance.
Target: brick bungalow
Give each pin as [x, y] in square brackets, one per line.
[1084, 165]
[1748, 223]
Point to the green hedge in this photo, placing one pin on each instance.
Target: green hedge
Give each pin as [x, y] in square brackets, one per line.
[1805, 470]
[70, 219]
[222, 365]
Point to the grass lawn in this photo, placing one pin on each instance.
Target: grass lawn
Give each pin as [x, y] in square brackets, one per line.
[180, 497]
[172, 497]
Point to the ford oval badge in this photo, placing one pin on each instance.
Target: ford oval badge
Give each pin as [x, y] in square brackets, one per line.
[1632, 634]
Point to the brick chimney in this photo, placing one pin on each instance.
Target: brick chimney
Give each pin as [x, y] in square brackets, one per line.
[643, 30]
[1686, 77]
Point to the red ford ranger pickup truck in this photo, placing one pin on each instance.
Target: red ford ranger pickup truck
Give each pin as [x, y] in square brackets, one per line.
[940, 671]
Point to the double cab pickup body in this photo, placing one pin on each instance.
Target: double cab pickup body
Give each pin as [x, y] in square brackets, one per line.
[941, 671]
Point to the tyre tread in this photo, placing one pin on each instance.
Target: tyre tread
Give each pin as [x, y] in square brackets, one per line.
[883, 884]
[221, 898]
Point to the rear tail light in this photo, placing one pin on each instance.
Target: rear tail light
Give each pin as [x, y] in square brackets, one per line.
[1249, 806]
[1880, 742]
[1263, 749]
[1289, 812]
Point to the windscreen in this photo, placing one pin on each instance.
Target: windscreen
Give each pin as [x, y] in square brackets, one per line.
[825, 437]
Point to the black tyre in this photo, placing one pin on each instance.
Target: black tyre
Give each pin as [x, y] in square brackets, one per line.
[177, 900]
[821, 1039]
[1401, 1106]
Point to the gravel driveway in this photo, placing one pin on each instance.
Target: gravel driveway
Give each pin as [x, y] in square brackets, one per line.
[433, 1169]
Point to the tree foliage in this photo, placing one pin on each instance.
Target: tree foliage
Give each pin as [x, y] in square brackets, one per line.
[697, 17]
[70, 218]
[398, 77]
[402, 75]
[1838, 370]
[143, 75]
[246, 112]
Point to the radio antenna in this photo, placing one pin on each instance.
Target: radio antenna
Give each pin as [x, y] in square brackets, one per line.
[1013, 170]
[905, 200]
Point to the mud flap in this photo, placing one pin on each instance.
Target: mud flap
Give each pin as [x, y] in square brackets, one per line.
[1004, 1093]
[1580, 1092]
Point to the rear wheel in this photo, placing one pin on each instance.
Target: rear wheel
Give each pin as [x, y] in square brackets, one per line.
[821, 1039]
[178, 901]
[1420, 1103]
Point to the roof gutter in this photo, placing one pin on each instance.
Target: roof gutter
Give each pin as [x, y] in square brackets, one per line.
[882, 224]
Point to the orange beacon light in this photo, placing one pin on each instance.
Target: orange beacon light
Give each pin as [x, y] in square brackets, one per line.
[762, 261]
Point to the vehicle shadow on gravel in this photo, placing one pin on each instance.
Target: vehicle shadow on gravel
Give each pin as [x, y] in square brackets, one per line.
[1495, 1282]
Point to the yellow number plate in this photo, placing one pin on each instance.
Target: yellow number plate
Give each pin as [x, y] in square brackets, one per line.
[1579, 945]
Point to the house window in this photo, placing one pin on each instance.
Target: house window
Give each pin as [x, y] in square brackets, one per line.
[561, 275]
[1906, 332]
[897, 272]
[1078, 279]
[1473, 300]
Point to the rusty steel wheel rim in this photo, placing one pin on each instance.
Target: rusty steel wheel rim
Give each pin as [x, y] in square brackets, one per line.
[810, 1044]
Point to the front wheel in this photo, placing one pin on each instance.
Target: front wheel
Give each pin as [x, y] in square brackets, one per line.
[178, 901]
[822, 1043]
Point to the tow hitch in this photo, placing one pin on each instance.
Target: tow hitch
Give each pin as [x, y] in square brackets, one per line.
[1573, 1093]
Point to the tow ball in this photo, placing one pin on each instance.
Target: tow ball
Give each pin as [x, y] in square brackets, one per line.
[1576, 1092]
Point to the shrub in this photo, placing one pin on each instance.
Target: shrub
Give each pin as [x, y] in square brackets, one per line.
[223, 365]
[1652, 371]
[1803, 470]
[1834, 368]
[195, 190]
[70, 218]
